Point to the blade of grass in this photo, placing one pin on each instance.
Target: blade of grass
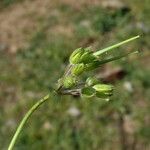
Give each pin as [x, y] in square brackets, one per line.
[115, 46]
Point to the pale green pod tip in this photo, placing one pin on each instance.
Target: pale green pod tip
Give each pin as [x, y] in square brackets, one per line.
[104, 88]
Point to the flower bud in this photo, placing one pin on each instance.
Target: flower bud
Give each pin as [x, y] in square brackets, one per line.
[82, 55]
[91, 66]
[76, 56]
[88, 56]
[69, 81]
[91, 81]
[103, 91]
[103, 88]
[77, 69]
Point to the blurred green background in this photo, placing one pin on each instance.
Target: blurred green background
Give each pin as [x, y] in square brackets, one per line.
[36, 39]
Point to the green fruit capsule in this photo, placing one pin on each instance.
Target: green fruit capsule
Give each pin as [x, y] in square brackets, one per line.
[77, 69]
[91, 81]
[103, 88]
[69, 81]
[82, 55]
[75, 57]
[88, 56]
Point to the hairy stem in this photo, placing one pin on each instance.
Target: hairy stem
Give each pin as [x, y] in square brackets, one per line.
[24, 120]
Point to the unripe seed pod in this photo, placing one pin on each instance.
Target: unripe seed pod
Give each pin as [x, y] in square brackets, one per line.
[69, 81]
[87, 57]
[91, 81]
[82, 55]
[77, 69]
[103, 88]
[76, 56]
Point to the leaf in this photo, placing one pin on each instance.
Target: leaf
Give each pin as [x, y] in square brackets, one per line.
[114, 46]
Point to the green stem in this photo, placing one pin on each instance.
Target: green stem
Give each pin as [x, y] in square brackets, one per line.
[114, 46]
[24, 120]
[99, 63]
[115, 58]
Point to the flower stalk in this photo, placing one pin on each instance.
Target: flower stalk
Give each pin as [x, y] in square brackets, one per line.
[25, 118]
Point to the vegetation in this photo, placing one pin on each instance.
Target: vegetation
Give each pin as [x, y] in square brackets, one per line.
[70, 122]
